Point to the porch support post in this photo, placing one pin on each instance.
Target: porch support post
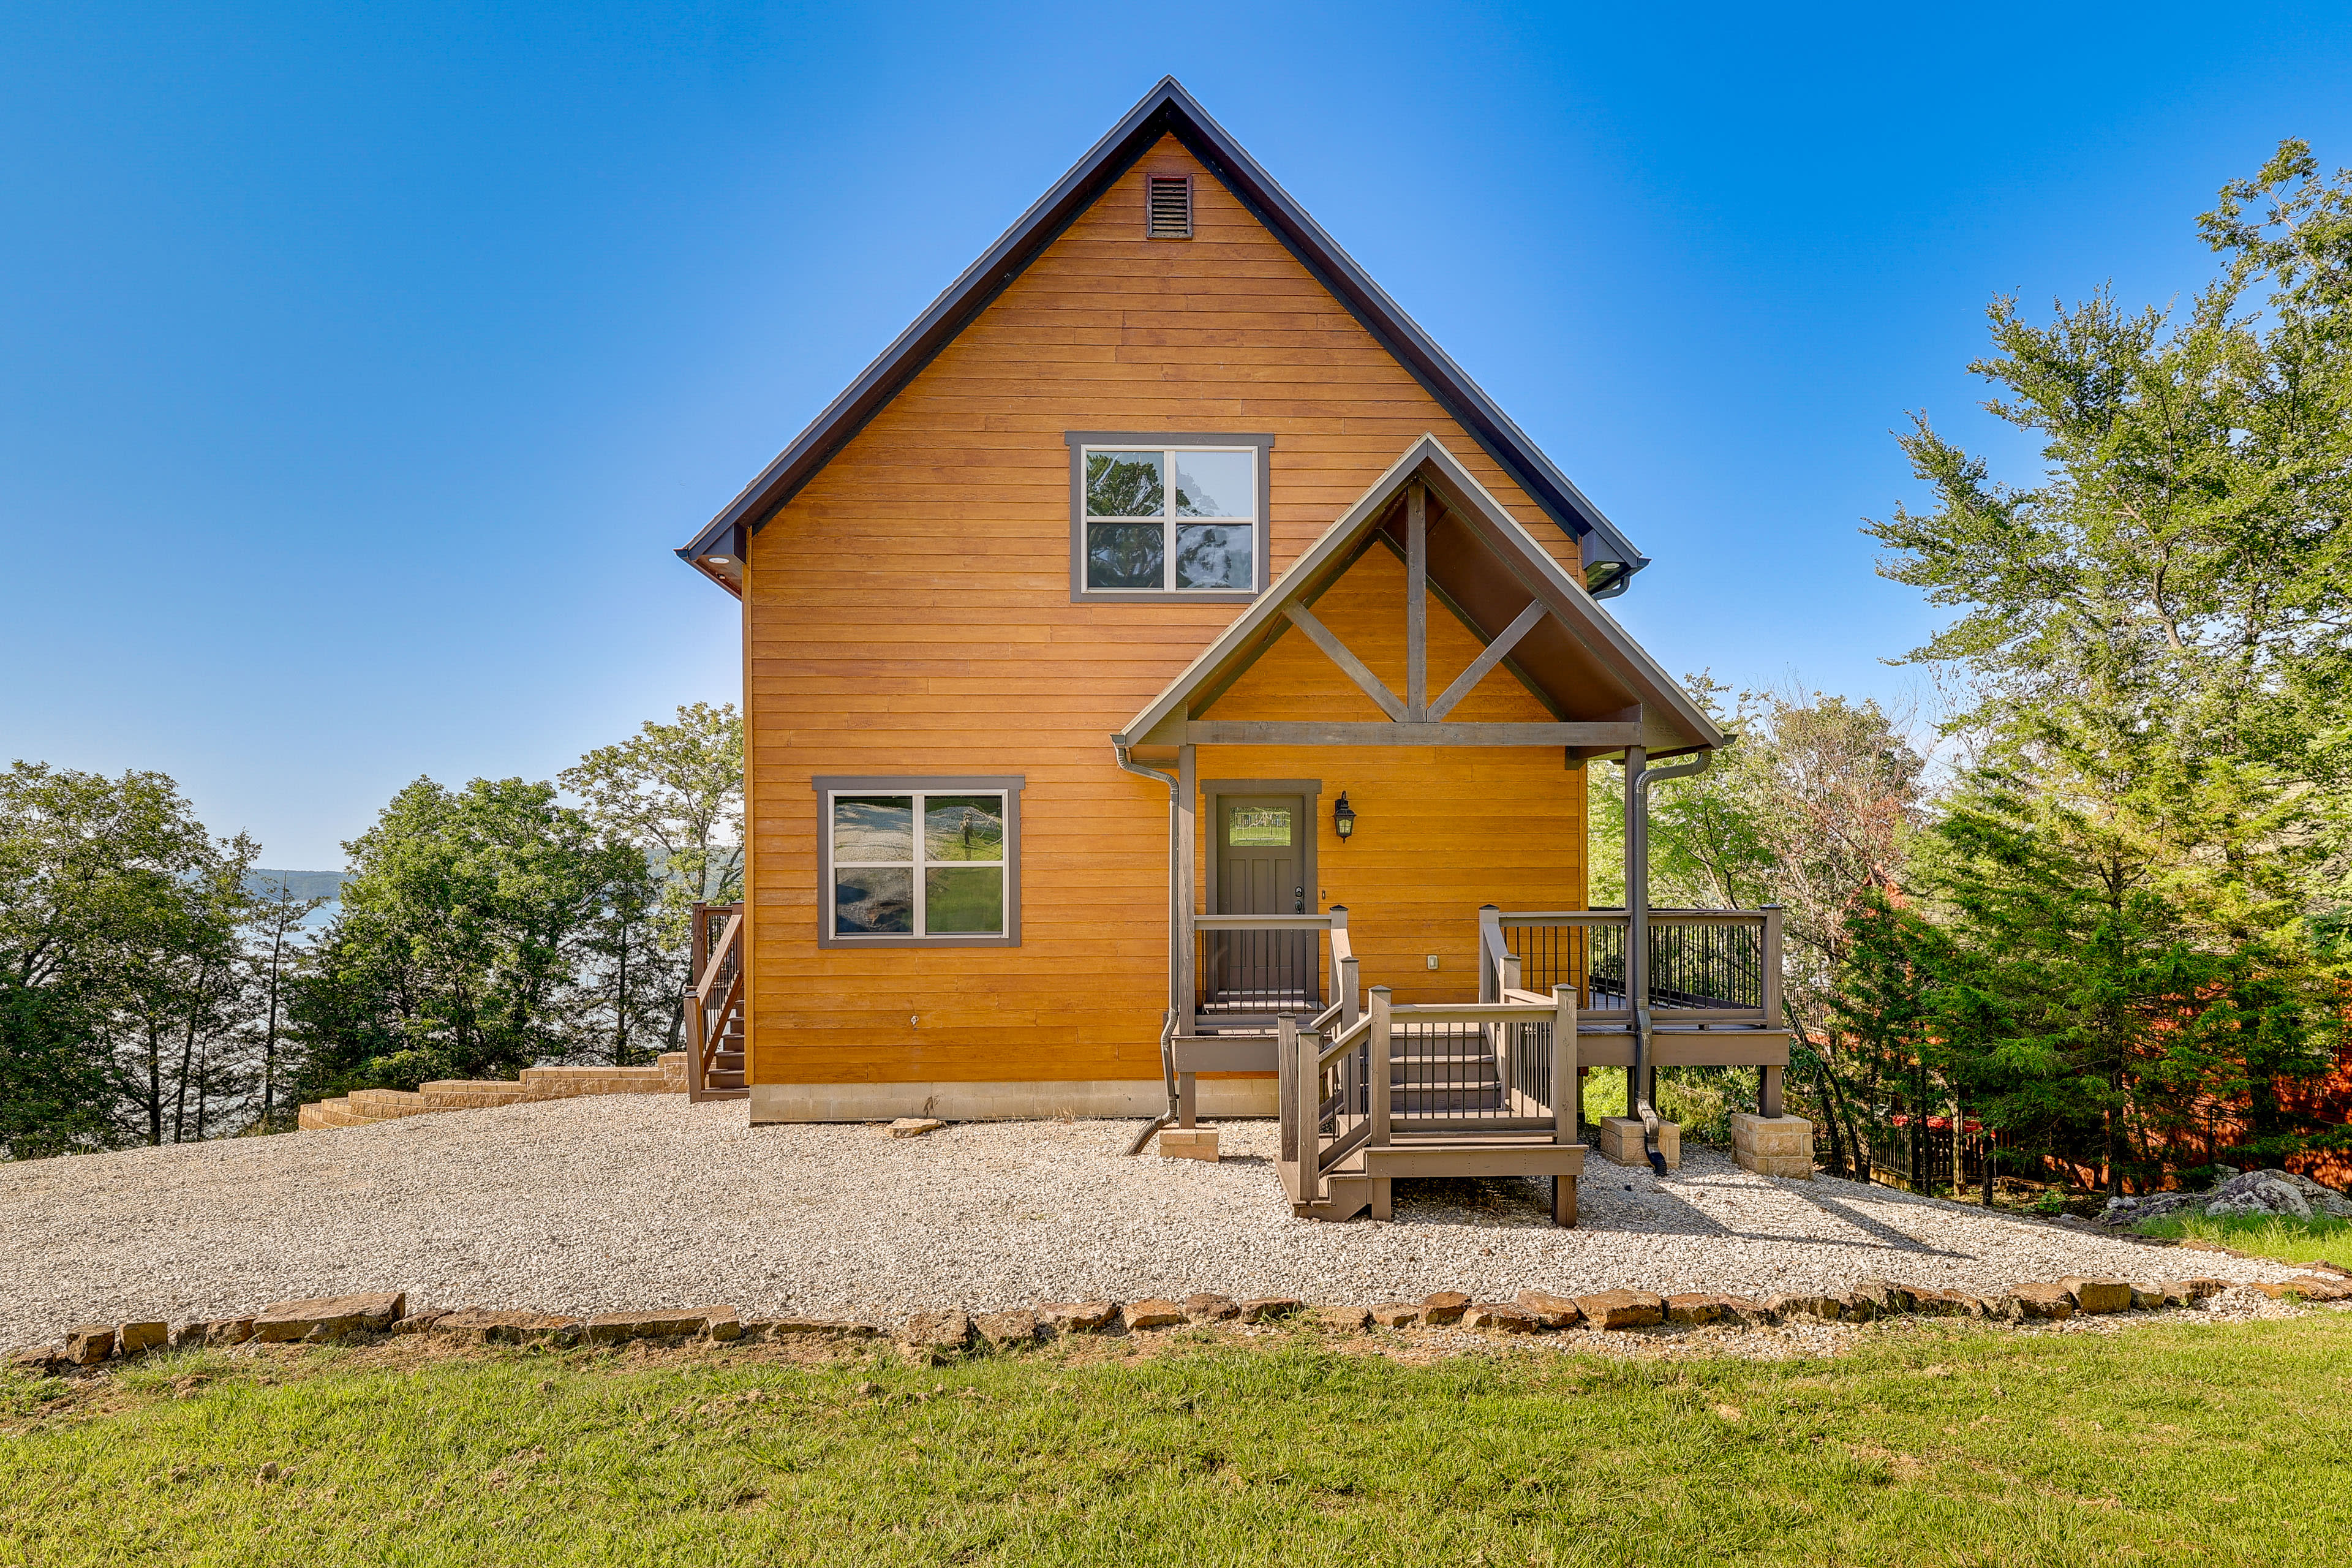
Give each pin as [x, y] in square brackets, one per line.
[1378, 1057]
[1768, 1084]
[1416, 603]
[1179, 877]
[1638, 1091]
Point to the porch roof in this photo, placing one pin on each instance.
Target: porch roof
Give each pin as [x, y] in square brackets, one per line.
[1604, 691]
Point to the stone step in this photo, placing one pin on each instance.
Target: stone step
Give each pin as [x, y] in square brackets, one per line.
[472, 1093]
[388, 1104]
[361, 1107]
[567, 1082]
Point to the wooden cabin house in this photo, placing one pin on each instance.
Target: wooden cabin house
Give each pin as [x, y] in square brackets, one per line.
[1160, 661]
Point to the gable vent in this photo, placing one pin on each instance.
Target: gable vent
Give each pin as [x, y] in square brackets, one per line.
[1169, 198]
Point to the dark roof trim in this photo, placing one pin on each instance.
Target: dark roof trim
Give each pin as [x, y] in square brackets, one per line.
[1166, 109]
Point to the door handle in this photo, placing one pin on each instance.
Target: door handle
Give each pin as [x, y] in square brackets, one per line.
[1297, 900]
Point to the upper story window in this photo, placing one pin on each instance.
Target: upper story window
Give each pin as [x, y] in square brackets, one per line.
[1156, 516]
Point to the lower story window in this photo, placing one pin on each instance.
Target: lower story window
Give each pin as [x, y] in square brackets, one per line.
[921, 861]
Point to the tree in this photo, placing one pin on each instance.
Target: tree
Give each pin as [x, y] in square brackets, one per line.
[458, 951]
[676, 790]
[55, 1091]
[2155, 634]
[116, 913]
[273, 925]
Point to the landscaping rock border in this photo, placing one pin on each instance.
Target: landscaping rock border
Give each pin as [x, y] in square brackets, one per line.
[937, 1335]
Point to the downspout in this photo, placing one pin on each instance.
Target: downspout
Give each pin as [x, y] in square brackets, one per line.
[1638, 780]
[1168, 1018]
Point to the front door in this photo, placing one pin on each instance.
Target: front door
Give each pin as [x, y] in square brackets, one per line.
[1261, 865]
[1262, 849]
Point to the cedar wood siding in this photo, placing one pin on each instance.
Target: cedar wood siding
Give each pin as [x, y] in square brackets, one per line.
[908, 612]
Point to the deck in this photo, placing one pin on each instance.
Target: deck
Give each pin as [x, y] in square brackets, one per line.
[1372, 1090]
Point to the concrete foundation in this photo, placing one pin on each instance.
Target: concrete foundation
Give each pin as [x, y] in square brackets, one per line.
[1014, 1102]
[1622, 1143]
[1773, 1145]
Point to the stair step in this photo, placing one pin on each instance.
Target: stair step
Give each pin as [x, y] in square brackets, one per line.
[721, 1078]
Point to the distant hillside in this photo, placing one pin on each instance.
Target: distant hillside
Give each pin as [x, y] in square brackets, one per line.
[301, 884]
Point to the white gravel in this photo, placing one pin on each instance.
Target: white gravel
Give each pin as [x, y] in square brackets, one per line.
[644, 1200]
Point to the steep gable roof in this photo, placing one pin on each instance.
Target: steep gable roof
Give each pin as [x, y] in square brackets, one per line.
[1167, 109]
[1491, 573]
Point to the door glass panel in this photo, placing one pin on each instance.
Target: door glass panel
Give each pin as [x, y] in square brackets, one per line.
[963, 900]
[1125, 484]
[874, 900]
[1126, 556]
[963, 828]
[1260, 825]
[1214, 556]
[1217, 484]
[874, 827]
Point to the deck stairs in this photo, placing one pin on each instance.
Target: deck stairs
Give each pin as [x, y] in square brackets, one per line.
[716, 1006]
[723, 1078]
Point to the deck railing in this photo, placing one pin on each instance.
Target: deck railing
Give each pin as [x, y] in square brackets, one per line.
[1706, 966]
[1250, 970]
[1422, 1071]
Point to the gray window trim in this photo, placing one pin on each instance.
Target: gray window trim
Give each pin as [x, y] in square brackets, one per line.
[1078, 440]
[826, 785]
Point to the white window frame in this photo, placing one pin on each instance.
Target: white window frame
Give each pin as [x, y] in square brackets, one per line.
[1169, 445]
[1006, 787]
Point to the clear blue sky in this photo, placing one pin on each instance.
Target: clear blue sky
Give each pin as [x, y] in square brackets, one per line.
[361, 365]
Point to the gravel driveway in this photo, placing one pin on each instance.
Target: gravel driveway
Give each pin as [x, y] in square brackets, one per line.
[643, 1201]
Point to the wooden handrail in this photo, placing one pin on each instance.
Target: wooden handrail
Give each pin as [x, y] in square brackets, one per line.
[729, 945]
[1343, 1041]
[1619, 917]
[1269, 922]
[1470, 1012]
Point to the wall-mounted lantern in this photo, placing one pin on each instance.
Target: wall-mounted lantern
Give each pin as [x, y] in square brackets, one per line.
[1343, 817]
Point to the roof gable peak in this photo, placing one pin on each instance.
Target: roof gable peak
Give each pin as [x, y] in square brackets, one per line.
[1166, 110]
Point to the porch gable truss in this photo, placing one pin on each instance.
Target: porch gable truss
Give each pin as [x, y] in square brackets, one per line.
[1459, 546]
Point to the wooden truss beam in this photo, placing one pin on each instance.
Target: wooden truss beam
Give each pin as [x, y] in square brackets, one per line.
[1269, 732]
[1323, 638]
[1416, 604]
[1492, 654]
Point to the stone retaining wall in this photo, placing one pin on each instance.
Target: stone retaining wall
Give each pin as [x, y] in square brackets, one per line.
[363, 1106]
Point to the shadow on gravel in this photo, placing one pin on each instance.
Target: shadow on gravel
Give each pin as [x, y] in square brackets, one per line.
[1610, 1207]
[1882, 1234]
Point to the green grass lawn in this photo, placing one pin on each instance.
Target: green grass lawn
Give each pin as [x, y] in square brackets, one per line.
[2317, 1239]
[1945, 1443]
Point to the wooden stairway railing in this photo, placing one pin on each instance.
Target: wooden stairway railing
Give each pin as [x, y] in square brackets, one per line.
[715, 1010]
[1429, 1089]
